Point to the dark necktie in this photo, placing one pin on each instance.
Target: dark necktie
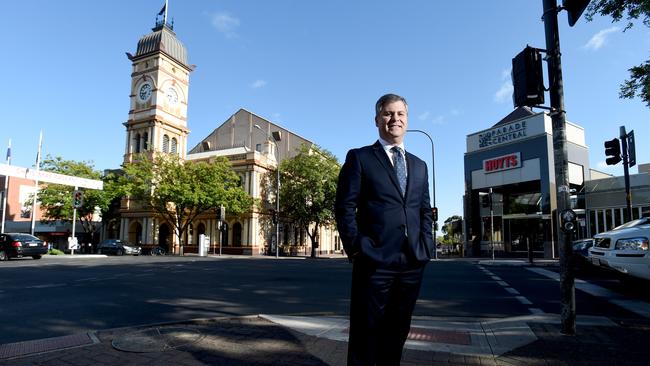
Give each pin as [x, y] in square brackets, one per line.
[400, 167]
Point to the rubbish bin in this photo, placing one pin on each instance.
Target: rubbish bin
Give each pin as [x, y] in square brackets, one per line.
[204, 245]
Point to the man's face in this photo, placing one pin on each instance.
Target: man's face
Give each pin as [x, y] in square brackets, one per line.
[392, 122]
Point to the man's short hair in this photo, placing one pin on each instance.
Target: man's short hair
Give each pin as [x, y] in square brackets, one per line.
[386, 99]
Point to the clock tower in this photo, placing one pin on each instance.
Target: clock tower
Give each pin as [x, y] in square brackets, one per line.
[159, 93]
[157, 122]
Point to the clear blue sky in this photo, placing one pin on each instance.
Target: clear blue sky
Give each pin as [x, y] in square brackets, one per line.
[314, 67]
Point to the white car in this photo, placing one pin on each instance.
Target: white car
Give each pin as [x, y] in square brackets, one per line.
[624, 249]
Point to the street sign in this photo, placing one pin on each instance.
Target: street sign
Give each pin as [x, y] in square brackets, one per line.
[43, 176]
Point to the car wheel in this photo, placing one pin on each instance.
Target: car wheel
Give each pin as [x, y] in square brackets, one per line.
[120, 252]
[36, 256]
[3, 256]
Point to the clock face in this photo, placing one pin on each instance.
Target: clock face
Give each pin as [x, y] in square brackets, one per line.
[144, 93]
[172, 95]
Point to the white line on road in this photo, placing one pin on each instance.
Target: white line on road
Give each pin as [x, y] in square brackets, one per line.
[536, 311]
[636, 306]
[512, 291]
[503, 283]
[47, 285]
[496, 278]
[523, 300]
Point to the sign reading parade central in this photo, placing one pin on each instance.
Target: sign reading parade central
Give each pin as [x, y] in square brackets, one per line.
[499, 135]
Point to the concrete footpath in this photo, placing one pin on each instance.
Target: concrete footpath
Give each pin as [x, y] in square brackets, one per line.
[321, 340]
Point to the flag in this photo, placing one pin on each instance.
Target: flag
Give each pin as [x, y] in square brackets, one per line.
[9, 152]
[162, 11]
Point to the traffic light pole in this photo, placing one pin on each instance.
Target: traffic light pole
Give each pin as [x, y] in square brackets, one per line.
[74, 221]
[556, 93]
[491, 222]
[626, 172]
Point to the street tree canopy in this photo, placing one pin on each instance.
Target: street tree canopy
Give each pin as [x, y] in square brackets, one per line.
[180, 190]
[639, 82]
[56, 199]
[308, 189]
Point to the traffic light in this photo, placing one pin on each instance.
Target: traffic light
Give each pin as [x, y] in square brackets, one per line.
[613, 151]
[434, 213]
[574, 9]
[77, 199]
[528, 78]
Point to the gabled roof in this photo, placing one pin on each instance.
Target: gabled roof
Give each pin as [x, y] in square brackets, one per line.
[519, 113]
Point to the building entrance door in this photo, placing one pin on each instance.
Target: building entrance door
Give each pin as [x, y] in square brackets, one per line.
[521, 231]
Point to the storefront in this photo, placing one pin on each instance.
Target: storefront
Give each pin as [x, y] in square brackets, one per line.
[510, 199]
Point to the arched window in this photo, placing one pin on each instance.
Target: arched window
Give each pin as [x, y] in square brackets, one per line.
[165, 147]
[145, 141]
[174, 145]
[137, 143]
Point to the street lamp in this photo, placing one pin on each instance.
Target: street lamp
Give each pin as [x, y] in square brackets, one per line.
[275, 137]
[433, 186]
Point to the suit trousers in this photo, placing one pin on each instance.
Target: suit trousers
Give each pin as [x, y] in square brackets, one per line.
[382, 302]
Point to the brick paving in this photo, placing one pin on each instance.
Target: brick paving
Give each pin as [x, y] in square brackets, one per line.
[256, 341]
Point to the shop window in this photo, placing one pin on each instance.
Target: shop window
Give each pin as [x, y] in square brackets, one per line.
[618, 213]
[524, 203]
[609, 220]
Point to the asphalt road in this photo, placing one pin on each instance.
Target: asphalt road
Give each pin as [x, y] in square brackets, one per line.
[58, 296]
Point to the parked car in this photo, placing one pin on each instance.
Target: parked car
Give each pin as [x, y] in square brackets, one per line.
[581, 252]
[624, 249]
[16, 245]
[117, 247]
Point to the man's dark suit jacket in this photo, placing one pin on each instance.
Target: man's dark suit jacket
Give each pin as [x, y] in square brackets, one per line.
[372, 216]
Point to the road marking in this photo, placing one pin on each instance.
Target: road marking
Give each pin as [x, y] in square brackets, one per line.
[503, 283]
[86, 279]
[523, 300]
[636, 306]
[512, 291]
[48, 285]
[536, 311]
[496, 278]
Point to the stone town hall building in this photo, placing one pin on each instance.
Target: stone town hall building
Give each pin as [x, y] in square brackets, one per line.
[157, 123]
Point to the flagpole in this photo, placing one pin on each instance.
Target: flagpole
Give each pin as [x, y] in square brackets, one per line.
[4, 194]
[38, 168]
[166, 9]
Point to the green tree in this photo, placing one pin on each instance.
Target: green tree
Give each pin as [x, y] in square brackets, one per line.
[179, 191]
[450, 229]
[308, 190]
[56, 199]
[639, 82]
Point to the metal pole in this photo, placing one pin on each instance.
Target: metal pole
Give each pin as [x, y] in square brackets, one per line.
[74, 221]
[4, 193]
[560, 155]
[491, 223]
[626, 173]
[433, 188]
[277, 201]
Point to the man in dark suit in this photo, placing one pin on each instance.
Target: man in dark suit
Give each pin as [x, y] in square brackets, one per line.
[383, 216]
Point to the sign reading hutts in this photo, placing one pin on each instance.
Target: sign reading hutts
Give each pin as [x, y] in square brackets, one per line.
[500, 163]
[502, 134]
